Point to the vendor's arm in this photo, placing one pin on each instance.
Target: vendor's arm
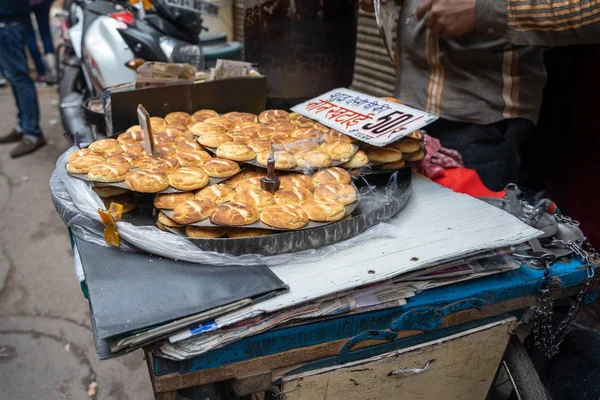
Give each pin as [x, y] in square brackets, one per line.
[540, 22]
[546, 23]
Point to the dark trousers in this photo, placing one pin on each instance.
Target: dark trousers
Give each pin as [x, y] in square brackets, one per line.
[42, 16]
[491, 150]
[13, 65]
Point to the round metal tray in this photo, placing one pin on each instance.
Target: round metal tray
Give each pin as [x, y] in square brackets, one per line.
[396, 192]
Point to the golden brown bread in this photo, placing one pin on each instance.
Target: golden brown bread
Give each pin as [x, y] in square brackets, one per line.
[266, 133]
[191, 211]
[162, 219]
[331, 135]
[238, 178]
[241, 117]
[203, 115]
[283, 126]
[331, 175]
[108, 172]
[188, 178]
[192, 158]
[178, 118]
[83, 152]
[302, 121]
[155, 163]
[284, 216]
[183, 144]
[198, 232]
[283, 159]
[220, 168]
[344, 193]
[406, 145]
[259, 145]
[201, 128]
[297, 145]
[359, 159]
[157, 123]
[165, 149]
[134, 128]
[234, 214]
[392, 166]
[235, 151]
[256, 197]
[218, 193]
[168, 201]
[250, 183]
[130, 136]
[82, 164]
[308, 133]
[223, 122]
[313, 159]
[214, 139]
[124, 200]
[271, 116]
[238, 233]
[416, 135]
[324, 210]
[297, 180]
[339, 151]
[242, 137]
[293, 195]
[108, 191]
[117, 159]
[131, 149]
[106, 147]
[147, 181]
[413, 157]
[384, 154]
[160, 226]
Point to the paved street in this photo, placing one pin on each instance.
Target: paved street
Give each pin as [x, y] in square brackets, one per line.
[46, 345]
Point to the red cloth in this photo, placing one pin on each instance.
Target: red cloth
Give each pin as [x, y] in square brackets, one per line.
[438, 159]
[465, 180]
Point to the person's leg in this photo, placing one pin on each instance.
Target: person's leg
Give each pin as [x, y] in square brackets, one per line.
[14, 65]
[34, 51]
[492, 150]
[42, 15]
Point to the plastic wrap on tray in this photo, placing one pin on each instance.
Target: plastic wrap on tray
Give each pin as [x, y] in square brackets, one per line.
[77, 206]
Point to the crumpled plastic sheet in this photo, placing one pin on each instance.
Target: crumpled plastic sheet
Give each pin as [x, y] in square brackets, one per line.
[77, 204]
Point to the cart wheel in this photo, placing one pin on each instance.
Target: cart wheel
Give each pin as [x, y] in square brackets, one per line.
[516, 377]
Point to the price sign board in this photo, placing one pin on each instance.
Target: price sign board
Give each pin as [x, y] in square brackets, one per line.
[366, 118]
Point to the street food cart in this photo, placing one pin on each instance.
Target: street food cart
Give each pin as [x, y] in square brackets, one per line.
[253, 252]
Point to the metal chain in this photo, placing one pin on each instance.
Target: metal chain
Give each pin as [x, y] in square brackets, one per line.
[544, 338]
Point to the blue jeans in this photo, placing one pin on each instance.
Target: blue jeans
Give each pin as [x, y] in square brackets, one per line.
[42, 16]
[13, 65]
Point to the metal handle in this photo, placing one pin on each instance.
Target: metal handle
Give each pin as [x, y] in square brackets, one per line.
[412, 371]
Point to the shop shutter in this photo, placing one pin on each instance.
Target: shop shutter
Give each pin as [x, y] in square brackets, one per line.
[239, 14]
[374, 73]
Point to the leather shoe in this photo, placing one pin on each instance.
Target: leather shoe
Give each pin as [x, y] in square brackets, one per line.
[14, 136]
[27, 146]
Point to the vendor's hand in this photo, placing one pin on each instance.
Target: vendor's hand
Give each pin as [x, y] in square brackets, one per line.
[448, 17]
[368, 6]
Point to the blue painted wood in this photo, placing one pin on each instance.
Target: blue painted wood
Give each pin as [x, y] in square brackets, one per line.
[398, 344]
[489, 290]
[427, 319]
[368, 335]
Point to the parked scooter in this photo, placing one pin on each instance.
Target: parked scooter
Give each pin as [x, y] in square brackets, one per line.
[105, 42]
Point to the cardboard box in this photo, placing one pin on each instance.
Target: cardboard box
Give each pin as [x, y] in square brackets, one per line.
[246, 94]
